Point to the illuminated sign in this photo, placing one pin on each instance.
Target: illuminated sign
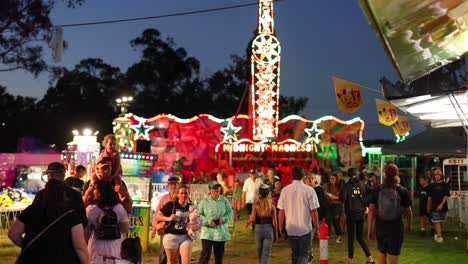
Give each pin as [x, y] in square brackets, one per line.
[265, 75]
[264, 146]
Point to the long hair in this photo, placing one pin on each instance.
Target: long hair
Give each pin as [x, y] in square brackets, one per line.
[107, 195]
[263, 207]
[131, 250]
[55, 200]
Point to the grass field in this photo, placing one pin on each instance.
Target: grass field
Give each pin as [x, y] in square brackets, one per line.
[241, 249]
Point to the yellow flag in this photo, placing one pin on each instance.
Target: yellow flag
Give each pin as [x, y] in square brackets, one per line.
[387, 112]
[348, 95]
[401, 126]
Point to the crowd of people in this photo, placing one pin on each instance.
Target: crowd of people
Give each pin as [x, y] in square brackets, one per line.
[71, 221]
[75, 222]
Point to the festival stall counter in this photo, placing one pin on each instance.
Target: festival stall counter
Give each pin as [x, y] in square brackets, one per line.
[137, 171]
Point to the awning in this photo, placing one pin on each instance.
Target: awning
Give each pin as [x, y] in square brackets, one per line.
[419, 36]
[449, 141]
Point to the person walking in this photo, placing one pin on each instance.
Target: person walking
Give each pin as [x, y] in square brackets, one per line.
[390, 201]
[56, 170]
[215, 212]
[264, 218]
[332, 191]
[52, 227]
[108, 224]
[353, 196]
[103, 172]
[298, 203]
[176, 240]
[158, 226]
[424, 215]
[438, 194]
[250, 190]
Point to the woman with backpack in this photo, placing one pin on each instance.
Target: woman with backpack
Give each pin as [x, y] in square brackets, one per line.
[108, 224]
[353, 195]
[391, 201]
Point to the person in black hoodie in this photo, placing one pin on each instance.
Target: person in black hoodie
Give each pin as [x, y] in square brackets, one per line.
[353, 195]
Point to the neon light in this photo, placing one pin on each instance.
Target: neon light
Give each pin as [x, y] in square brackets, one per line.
[141, 130]
[294, 117]
[401, 138]
[230, 132]
[313, 133]
[265, 75]
[289, 145]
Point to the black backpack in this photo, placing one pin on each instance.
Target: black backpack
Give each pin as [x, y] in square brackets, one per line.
[389, 204]
[107, 225]
[356, 200]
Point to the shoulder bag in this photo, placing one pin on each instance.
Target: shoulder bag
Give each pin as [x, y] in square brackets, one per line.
[18, 260]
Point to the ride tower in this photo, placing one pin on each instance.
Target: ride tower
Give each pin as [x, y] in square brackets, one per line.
[265, 77]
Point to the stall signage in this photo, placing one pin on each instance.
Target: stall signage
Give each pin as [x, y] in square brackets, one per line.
[262, 147]
[455, 161]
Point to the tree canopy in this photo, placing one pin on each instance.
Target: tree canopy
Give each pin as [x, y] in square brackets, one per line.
[24, 28]
[164, 80]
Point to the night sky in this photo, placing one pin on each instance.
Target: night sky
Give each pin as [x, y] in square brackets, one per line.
[319, 38]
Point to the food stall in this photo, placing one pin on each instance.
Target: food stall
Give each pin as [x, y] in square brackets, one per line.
[137, 172]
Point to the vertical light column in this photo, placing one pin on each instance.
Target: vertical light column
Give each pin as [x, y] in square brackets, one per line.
[265, 76]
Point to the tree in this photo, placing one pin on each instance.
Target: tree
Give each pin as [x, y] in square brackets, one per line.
[162, 75]
[16, 116]
[82, 97]
[24, 26]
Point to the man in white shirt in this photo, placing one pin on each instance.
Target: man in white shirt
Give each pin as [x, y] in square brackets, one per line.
[299, 203]
[250, 190]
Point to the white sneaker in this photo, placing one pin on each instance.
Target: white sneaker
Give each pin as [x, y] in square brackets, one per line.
[435, 236]
[439, 239]
[339, 240]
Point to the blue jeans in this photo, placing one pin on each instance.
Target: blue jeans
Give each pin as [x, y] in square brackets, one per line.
[300, 247]
[264, 241]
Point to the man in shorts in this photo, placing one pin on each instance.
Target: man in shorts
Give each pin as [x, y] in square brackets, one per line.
[437, 203]
[389, 223]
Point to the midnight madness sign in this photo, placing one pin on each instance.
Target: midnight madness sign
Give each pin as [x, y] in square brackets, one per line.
[247, 146]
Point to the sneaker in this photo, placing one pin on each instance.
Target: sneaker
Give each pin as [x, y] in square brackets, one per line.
[339, 240]
[435, 236]
[439, 239]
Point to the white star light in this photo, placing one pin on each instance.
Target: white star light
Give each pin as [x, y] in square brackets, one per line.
[141, 130]
[313, 133]
[230, 132]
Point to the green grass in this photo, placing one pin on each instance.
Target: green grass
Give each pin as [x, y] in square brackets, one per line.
[242, 249]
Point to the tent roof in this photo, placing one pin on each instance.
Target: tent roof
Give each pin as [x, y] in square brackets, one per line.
[447, 141]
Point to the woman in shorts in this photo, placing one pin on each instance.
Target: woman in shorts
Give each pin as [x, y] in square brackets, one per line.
[176, 241]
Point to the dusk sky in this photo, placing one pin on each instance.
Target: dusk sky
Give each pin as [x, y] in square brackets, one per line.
[319, 38]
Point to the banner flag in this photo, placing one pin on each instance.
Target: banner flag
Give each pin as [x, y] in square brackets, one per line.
[401, 126]
[386, 112]
[348, 95]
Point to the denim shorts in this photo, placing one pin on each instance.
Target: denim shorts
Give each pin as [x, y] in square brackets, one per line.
[171, 241]
[438, 216]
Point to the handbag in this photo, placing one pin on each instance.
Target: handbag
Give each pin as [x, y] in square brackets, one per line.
[161, 226]
[18, 260]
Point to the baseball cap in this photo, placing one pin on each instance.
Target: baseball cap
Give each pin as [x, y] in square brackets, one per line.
[252, 172]
[264, 190]
[102, 162]
[173, 179]
[391, 170]
[277, 178]
[214, 184]
[55, 167]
